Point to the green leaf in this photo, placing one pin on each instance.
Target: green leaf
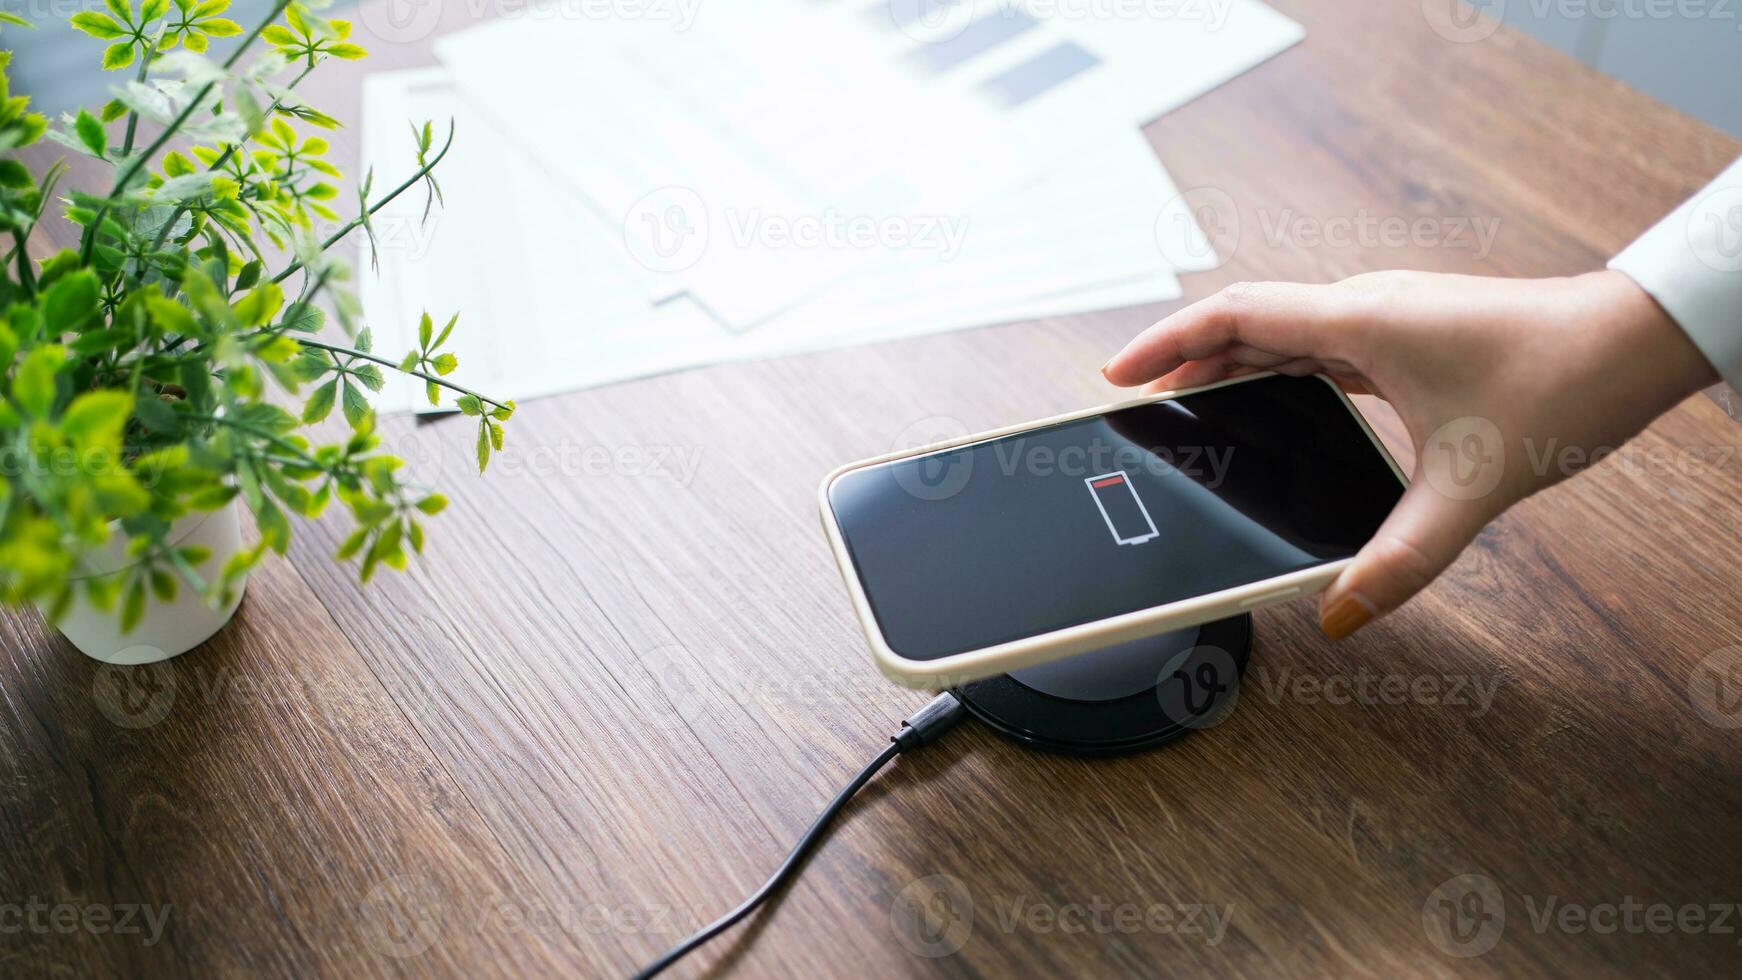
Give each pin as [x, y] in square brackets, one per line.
[262, 415]
[69, 302]
[274, 526]
[425, 330]
[310, 365]
[158, 416]
[218, 27]
[91, 134]
[433, 504]
[352, 544]
[277, 352]
[237, 566]
[118, 493]
[365, 341]
[371, 376]
[15, 19]
[483, 446]
[282, 132]
[25, 130]
[442, 338]
[97, 25]
[197, 379]
[495, 435]
[100, 591]
[97, 341]
[249, 275]
[112, 110]
[163, 585]
[356, 405]
[350, 52]
[212, 498]
[260, 305]
[118, 55]
[503, 413]
[280, 36]
[150, 10]
[133, 609]
[386, 545]
[34, 385]
[175, 164]
[303, 318]
[171, 316]
[95, 418]
[55, 611]
[445, 364]
[469, 405]
[320, 403]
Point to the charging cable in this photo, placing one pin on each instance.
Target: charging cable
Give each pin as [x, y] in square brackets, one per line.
[922, 728]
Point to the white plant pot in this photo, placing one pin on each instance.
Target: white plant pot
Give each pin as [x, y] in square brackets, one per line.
[168, 629]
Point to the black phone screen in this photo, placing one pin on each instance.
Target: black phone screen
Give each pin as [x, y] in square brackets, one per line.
[1093, 518]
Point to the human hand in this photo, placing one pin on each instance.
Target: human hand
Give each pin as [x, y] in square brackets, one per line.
[1488, 375]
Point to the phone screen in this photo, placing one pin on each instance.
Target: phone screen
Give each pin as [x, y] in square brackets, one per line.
[1088, 519]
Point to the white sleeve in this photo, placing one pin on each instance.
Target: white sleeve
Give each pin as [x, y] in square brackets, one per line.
[1691, 263]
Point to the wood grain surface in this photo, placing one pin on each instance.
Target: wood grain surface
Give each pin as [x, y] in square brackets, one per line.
[626, 675]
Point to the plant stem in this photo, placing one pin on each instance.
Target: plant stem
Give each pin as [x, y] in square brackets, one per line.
[133, 116]
[357, 222]
[266, 436]
[223, 158]
[169, 131]
[187, 571]
[432, 378]
[26, 276]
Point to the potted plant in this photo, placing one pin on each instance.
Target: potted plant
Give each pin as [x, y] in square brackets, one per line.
[155, 380]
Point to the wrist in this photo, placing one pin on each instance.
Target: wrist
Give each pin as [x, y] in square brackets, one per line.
[1649, 343]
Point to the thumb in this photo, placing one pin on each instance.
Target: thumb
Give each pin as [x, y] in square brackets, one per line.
[1423, 535]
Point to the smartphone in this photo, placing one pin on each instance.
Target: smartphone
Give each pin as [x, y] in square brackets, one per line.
[1040, 541]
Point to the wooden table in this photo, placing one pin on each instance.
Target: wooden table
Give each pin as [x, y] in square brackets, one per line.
[609, 699]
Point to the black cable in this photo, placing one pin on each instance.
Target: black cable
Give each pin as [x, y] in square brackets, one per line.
[922, 728]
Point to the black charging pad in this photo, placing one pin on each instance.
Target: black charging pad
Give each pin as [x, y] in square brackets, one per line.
[1124, 698]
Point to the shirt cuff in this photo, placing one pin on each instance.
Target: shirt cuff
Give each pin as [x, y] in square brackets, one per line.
[1691, 264]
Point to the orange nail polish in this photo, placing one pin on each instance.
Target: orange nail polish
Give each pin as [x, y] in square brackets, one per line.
[1346, 615]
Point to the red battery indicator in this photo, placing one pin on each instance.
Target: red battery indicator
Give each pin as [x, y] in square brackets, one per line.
[1127, 519]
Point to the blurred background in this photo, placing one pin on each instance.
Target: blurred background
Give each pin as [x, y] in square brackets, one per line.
[771, 177]
[1690, 58]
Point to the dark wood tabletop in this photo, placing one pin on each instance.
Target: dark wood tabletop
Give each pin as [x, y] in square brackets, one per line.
[614, 692]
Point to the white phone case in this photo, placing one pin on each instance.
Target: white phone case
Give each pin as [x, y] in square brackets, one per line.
[1005, 657]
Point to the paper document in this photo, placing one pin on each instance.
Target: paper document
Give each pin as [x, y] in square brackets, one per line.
[564, 303]
[762, 124]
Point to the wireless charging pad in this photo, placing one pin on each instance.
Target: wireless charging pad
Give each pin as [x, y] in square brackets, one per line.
[1124, 698]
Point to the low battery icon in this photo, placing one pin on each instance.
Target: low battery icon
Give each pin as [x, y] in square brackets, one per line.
[1121, 508]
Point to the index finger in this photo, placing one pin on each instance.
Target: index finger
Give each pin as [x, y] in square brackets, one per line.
[1291, 319]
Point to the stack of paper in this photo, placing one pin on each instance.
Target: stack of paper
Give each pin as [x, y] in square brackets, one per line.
[629, 196]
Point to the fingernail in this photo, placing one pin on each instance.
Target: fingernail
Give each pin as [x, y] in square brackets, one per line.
[1104, 368]
[1346, 615]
